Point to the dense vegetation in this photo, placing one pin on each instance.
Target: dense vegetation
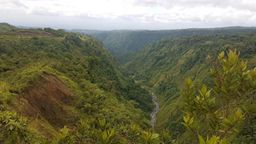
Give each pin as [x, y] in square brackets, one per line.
[65, 88]
[225, 111]
[60, 87]
[164, 65]
[125, 44]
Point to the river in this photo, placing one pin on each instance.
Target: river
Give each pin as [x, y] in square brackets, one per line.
[155, 111]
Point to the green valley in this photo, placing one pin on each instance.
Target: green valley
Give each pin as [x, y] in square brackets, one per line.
[124, 44]
[65, 88]
[127, 71]
[164, 66]
[127, 87]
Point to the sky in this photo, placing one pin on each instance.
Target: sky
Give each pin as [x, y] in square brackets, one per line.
[128, 14]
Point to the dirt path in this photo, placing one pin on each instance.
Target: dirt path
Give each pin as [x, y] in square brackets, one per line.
[155, 111]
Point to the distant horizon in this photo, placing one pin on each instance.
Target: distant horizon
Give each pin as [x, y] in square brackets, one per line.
[129, 14]
[74, 29]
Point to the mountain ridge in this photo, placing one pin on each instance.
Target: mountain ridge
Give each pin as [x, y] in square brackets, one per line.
[125, 44]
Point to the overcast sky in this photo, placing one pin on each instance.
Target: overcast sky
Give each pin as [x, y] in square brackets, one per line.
[128, 14]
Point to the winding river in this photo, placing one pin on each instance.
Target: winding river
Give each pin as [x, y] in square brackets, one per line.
[155, 111]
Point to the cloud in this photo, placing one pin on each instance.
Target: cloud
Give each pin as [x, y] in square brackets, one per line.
[204, 11]
[11, 4]
[146, 12]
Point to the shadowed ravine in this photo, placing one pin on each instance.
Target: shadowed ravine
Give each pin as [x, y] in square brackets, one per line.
[155, 111]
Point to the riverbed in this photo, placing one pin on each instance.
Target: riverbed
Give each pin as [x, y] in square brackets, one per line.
[155, 111]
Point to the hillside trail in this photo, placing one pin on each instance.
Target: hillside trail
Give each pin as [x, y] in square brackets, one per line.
[155, 111]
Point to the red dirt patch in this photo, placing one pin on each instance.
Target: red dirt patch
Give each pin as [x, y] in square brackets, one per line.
[48, 99]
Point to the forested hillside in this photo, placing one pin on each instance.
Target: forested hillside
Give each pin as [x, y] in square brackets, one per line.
[198, 110]
[5, 27]
[66, 88]
[58, 87]
[124, 44]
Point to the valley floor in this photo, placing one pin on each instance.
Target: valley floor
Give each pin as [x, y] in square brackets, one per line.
[155, 111]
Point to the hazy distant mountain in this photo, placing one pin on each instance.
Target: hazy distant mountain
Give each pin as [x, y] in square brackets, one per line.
[124, 44]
